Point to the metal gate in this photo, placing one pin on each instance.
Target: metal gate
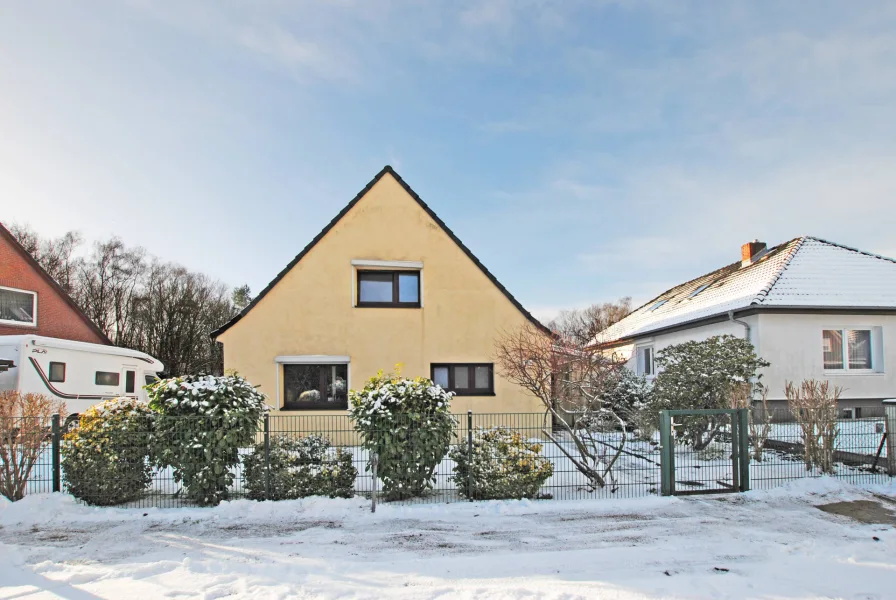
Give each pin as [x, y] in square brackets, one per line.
[692, 466]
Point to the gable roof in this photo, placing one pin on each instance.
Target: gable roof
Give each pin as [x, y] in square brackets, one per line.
[387, 169]
[32, 262]
[805, 272]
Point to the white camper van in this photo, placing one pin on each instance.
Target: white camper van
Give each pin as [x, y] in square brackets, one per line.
[79, 373]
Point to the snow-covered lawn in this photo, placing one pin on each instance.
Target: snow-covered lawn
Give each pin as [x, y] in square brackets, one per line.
[862, 436]
[768, 544]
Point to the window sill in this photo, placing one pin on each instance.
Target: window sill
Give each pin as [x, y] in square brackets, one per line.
[853, 373]
[474, 394]
[18, 324]
[386, 305]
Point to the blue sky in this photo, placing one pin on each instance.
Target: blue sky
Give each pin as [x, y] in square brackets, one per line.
[582, 150]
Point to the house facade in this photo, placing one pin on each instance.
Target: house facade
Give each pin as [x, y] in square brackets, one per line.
[31, 302]
[812, 308]
[385, 283]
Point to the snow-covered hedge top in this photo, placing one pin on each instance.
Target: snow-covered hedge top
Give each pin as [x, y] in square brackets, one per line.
[117, 406]
[385, 397]
[206, 396]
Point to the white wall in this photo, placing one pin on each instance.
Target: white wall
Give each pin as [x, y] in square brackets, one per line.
[793, 344]
[698, 334]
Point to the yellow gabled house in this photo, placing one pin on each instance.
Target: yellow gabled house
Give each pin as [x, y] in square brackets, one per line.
[385, 283]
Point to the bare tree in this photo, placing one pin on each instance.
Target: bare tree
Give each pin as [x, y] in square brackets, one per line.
[814, 406]
[741, 396]
[25, 421]
[56, 256]
[138, 302]
[583, 324]
[569, 378]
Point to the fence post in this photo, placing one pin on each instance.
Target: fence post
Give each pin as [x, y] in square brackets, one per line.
[470, 455]
[667, 454]
[743, 418]
[57, 463]
[890, 411]
[267, 456]
[373, 464]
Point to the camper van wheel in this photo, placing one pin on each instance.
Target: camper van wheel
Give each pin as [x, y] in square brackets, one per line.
[70, 421]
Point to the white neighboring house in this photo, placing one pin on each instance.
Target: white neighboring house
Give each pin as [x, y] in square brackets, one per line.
[812, 308]
[79, 373]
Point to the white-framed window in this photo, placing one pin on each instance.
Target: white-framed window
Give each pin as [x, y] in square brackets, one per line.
[644, 361]
[853, 349]
[18, 307]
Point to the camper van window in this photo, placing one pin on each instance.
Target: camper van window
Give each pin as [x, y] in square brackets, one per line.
[129, 381]
[57, 372]
[106, 378]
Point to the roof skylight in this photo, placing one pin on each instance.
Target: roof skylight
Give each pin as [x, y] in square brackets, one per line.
[698, 290]
[657, 305]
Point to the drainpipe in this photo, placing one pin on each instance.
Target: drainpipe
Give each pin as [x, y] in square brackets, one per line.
[744, 323]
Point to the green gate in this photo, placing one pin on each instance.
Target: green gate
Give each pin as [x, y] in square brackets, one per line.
[722, 466]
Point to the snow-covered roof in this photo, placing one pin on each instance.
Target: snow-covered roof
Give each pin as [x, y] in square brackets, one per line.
[806, 272]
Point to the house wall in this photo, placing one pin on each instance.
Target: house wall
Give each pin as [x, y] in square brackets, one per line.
[700, 333]
[310, 311]
[55, 317]
[792, 343]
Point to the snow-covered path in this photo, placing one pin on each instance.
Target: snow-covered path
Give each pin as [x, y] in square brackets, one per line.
[762, 544]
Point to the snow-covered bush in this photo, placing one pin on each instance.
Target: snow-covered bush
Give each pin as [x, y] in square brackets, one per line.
[202, 422]
[299, 467]
[105, 454]
[631, 397]
[408, 424]
[504, 465]
[696, 375]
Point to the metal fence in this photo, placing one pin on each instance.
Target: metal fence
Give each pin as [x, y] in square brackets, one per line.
[860, 456]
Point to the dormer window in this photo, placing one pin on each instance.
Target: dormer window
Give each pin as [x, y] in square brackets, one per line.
[389, 289]
[18, 307]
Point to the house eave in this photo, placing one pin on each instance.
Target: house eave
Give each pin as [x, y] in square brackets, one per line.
[746, 312]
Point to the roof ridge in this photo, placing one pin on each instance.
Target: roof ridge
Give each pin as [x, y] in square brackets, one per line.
[764, 292]
[850, 248]
[386, 169]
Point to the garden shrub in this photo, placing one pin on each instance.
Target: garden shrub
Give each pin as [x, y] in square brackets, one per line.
[503, 465]
[696, 375]
[407, 424]
[202, 422]
[299, 467]
[105, 456]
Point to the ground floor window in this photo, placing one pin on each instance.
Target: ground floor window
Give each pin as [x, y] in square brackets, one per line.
[645, 361]
[465, 379]
[315, 387]
[849, 349]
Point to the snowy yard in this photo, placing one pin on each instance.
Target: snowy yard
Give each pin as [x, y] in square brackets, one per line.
[771, 544]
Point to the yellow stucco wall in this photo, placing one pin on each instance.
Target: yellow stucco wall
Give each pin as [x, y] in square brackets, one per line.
[311, 309]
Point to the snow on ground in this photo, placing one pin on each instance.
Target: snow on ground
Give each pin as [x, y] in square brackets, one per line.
[770, 544]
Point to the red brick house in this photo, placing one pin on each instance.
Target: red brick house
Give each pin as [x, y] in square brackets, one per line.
[31, 302]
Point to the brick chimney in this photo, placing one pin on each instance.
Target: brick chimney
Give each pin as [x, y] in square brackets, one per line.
[749, 252]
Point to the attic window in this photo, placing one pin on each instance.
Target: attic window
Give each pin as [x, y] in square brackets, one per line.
[383, 289]
[18, 307]
[657, 305]
[698, 290]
